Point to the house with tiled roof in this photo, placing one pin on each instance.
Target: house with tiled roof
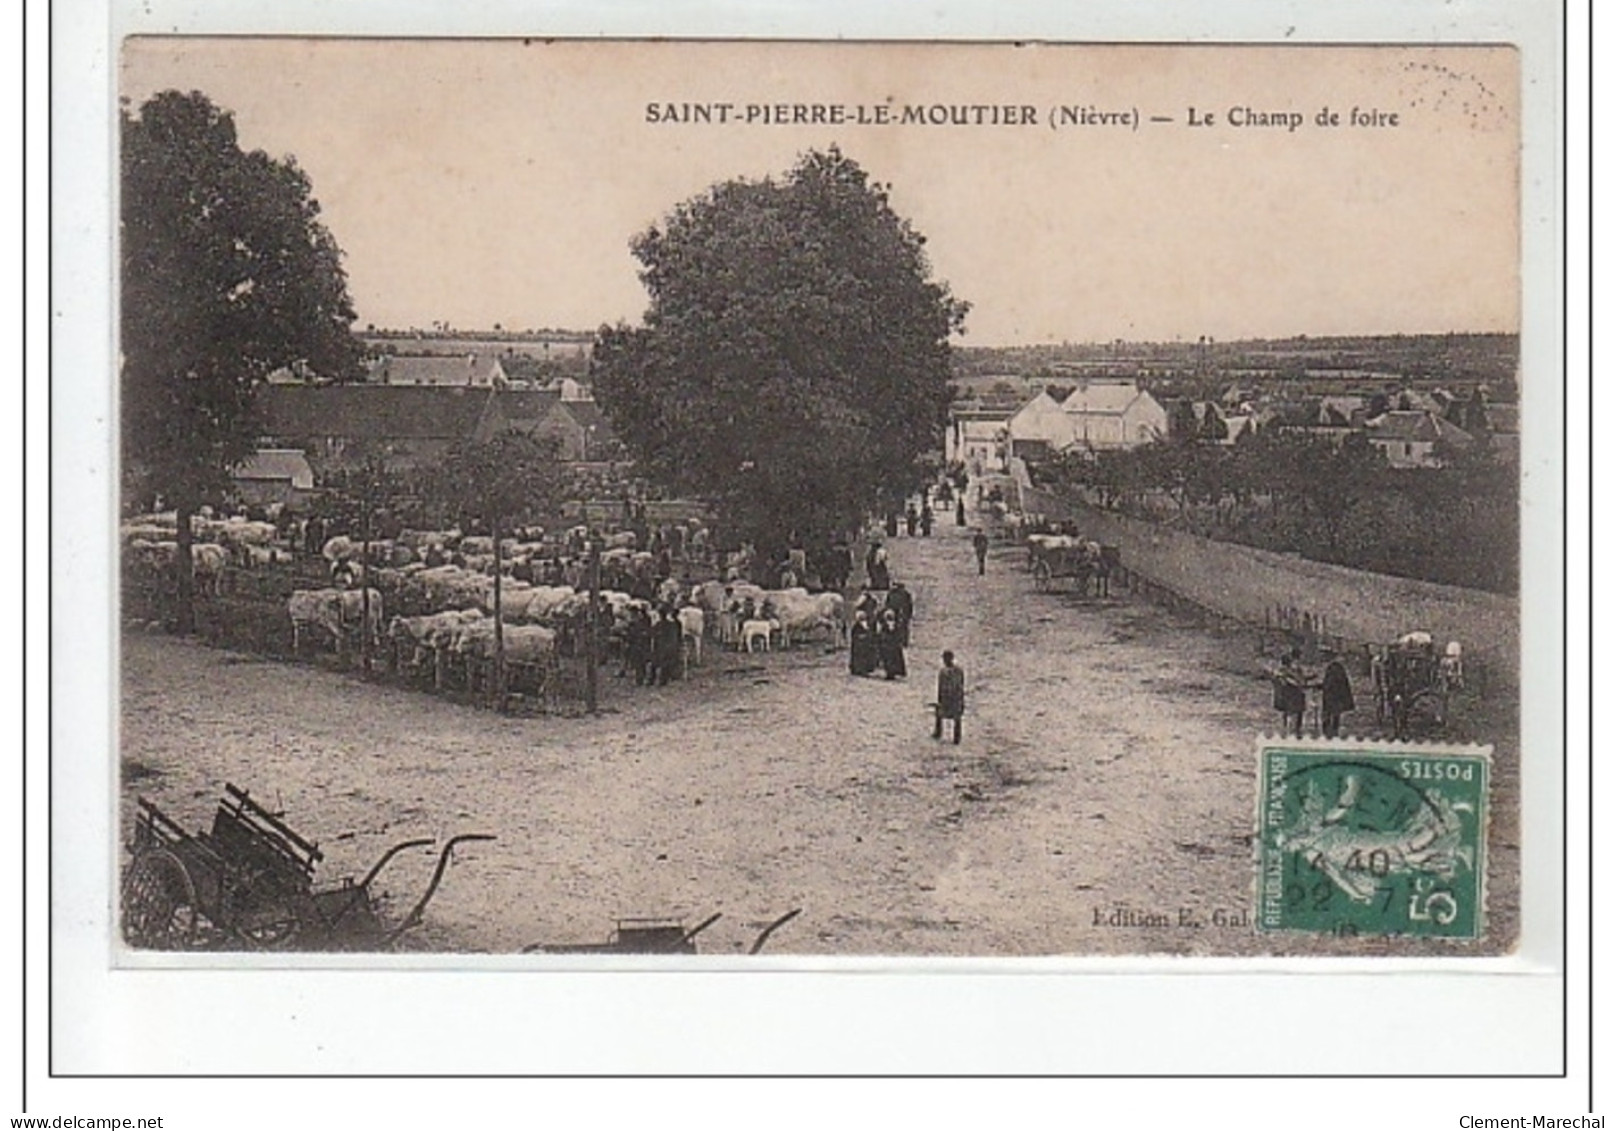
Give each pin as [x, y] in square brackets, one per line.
[1409, 438]
[1111, 414]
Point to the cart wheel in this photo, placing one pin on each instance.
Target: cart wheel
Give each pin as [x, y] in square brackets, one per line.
[1042, 576]
[159, 903]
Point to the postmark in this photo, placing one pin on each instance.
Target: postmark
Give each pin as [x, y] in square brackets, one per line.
[1372, 838]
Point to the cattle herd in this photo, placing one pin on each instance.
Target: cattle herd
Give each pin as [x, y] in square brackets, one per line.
[422, 603]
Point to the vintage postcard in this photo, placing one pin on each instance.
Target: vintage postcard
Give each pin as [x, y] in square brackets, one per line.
[910, 500]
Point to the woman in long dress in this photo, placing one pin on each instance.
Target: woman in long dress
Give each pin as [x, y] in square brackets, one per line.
[864, 657]
[889, 644]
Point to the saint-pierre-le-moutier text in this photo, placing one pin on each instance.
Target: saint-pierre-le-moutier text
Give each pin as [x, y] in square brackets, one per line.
[1057, 117]
[862, 114]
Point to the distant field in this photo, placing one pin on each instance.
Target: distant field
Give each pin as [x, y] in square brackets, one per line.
[534, 347]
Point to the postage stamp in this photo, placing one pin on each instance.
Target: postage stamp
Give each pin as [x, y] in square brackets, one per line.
[1359, 838]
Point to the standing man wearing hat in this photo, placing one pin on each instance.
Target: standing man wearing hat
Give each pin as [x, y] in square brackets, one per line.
[979, 542]
[950, 696]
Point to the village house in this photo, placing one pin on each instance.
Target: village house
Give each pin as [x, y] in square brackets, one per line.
[1409, 439]
[1112, 414]
[471, 370]
[274, 475]
[977, 435]
[1039, 428]
[577, 427]
[415, 426]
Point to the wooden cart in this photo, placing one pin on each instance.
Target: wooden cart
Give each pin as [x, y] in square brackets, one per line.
[248, 883]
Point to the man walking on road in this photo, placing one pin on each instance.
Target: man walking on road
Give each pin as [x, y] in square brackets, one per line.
[979, 541]
[950, 696]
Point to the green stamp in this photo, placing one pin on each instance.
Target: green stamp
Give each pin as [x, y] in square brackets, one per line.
[1361, 838]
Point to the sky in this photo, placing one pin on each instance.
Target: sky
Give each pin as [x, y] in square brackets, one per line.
[500, 181]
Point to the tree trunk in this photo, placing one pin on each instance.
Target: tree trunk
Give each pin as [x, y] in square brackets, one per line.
[592, 653]
[364, 582]
[184, 573]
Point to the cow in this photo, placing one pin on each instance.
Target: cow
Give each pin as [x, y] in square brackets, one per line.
[692, 627]
[339, 549]
[800, 612]
[758, 630]
[414, 638]
[208, 561]
[544, 600]
[332, 611]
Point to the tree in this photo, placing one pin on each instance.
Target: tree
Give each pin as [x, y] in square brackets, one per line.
[794, 360]
[508, 479]
[227, 275]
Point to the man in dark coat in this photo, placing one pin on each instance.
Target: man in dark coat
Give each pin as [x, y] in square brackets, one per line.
[1335, 693]
[880, 574]
[959, 511]
[901, 602]
[911, 519]
[667, 643]
[927, 520]
[979, 543]
[840, 567]
[950, 696]
[1290, 693]
[637, 645]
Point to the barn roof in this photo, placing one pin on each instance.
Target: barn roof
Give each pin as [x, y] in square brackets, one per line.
[440, 369]
[525, 404]
[1102, 397]
[278, 464]
[371, 412]
[1416, 427]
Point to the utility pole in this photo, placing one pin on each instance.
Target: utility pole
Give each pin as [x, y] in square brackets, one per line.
[592, 682]
[366, 486]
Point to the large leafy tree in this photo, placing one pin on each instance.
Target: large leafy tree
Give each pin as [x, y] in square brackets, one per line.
[227, 275]
[793, 362]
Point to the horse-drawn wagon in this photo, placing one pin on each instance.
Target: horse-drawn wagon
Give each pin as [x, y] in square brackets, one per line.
[1052, 557]
[1412, 679]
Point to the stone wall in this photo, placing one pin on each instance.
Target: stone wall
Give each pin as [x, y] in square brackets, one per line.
[1255, 586]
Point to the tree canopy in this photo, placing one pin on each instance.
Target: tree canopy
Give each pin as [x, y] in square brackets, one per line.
[511, 478]
[794, 359]
[227, 275]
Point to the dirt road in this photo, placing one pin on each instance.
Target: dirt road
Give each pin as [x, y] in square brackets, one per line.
[1106, 778]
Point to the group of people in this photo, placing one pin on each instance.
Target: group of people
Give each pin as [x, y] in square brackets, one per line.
[916, 520]
[879, 633]
[653, 646]
[1291, 684]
